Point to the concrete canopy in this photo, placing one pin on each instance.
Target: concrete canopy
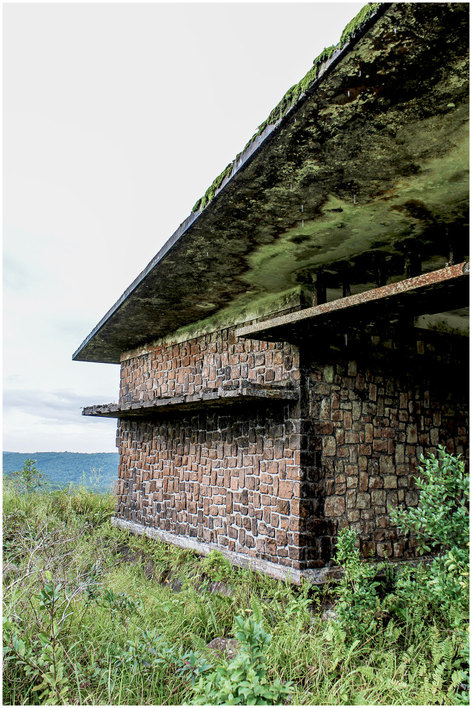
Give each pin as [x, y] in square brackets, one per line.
[365, 175]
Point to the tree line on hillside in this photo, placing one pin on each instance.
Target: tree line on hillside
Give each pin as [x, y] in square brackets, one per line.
[96, 471]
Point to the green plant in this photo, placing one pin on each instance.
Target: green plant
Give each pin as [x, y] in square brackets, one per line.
[28, 479]
[441, 523]
[244, 680]
[42, 657]
[358, 603]
[120, 604]
[441, 519]
[216, 566]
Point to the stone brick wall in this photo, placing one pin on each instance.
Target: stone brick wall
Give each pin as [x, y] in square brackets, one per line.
[371, 419]
[231, 477]
[204, 363]
[278, 481]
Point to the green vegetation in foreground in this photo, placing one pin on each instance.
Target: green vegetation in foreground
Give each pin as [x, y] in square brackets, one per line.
[93, 615]
[291, 96]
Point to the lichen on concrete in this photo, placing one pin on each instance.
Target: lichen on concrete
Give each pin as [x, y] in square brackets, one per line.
[291, 96]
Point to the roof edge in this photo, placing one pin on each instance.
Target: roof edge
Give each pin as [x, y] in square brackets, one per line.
[246, 156]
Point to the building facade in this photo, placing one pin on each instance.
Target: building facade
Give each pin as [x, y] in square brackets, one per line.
[334, 350]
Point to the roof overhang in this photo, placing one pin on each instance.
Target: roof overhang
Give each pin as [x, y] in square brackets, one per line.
[368, 168]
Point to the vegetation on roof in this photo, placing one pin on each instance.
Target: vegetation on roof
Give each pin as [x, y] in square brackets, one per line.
[292, 96]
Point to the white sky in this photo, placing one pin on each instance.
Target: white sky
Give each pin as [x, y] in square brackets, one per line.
[117, 117]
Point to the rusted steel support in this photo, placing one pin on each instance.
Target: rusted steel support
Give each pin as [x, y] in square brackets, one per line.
[412, 265]
[381, 272]
[346, 285]
[393, 294]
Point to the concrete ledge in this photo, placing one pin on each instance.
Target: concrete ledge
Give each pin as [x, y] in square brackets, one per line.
[278, 572]
[247, 392]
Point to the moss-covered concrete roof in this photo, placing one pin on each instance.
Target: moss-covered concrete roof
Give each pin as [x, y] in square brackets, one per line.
[365, 170]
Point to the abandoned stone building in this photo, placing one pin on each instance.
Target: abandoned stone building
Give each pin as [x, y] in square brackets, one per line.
[302, 337]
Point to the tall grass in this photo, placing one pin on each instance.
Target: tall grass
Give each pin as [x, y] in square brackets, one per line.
[94, 616]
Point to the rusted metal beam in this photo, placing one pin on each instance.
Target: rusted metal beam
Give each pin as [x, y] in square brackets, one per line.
[431, 292]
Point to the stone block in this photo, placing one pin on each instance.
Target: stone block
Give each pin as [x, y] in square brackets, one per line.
[386, 465]
[363, 500]
[286, 489]
[353, 515]
[334, 506]
[283, 506]
[384, 549]
[379, 497]
[329, 446]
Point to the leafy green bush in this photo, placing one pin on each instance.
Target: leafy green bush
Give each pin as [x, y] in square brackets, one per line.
[441, 519]
[244, 680]
[216, 565]
[42, 657]
[441, 522]
[425, 597]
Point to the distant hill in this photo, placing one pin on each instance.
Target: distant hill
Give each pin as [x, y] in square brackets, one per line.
[97, 470]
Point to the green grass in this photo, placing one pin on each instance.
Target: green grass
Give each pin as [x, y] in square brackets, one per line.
[116, 633]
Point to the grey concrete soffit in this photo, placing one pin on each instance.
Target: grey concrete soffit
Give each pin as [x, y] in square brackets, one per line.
[244, 160]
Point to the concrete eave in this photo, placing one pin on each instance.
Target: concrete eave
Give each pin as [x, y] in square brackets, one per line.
[343, 176]
[82, 353]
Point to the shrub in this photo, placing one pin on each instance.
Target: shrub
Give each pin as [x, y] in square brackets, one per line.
[244, 680]
[42, 656]
[441, 519]
[441, 522]
[216, 566]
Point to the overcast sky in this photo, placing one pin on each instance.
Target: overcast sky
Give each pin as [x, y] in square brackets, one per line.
[117, 117]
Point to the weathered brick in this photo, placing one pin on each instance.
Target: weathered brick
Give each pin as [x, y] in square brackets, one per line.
[378, 497]
[363, 500]
[329, 446]
[283, 506]
[363, 481]
[390, 482]
[386, 465]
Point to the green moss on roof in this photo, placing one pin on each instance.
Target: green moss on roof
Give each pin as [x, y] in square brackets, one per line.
[291, 96]
[357, 21]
